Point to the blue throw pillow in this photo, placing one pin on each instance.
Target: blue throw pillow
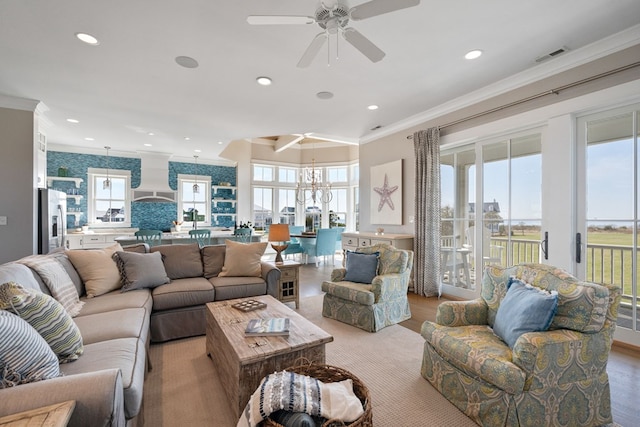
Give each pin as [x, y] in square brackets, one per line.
[524, 309]
[361, 268]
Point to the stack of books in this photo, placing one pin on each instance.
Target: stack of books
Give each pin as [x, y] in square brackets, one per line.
[273, 326]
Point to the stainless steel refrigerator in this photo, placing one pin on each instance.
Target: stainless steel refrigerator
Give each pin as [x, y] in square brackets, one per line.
[52, 219]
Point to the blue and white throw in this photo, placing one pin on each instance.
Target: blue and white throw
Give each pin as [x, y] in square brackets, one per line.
[300, 393]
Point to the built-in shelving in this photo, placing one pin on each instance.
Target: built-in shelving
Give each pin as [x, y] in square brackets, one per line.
[77, 181]
[77, 197]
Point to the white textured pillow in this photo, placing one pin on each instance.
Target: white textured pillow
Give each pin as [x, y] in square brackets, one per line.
[243, 259]
[24, 355]
[97, 269]
[45, 315]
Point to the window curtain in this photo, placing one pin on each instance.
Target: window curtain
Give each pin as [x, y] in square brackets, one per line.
[426, 145]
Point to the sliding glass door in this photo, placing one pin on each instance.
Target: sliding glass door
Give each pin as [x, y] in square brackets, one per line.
[608, 200]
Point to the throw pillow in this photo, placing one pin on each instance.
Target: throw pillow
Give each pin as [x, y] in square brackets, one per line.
[45, 315]
[524, 308]
[97, 269]
[24, 355]
[361, 268]
[243, 259]
[141, 270]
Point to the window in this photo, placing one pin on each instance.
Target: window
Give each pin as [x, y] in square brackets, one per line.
[287, 175]
[263, 173]
[109, 206]
[287, 206]
[338, 208]
[262, 207]
[337, 174]
[192, 205]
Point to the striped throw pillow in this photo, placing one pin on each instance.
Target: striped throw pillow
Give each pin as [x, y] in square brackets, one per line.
[45, 315]
[24, 355]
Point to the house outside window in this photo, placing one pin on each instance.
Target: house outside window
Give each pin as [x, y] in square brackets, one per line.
[109, 206]
[192, 205]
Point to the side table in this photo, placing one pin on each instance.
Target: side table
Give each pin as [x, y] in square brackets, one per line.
[288, 287]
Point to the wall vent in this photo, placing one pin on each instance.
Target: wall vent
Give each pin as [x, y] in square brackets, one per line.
[553, 54]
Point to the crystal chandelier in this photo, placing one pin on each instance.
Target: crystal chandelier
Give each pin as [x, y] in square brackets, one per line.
[311, 180]
[106, 184]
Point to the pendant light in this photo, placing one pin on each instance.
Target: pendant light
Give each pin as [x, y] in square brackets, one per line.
[106, 184]
[196, 187]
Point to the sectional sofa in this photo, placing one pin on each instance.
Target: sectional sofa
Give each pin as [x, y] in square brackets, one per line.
[156, 294]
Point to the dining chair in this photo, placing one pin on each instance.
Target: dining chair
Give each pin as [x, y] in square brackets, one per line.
[323, 245]
[339, 238]
[203, 237]
[294, 244]
[242, 234]
[150, 237]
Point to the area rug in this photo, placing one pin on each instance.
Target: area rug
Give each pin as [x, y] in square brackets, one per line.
[183, 388]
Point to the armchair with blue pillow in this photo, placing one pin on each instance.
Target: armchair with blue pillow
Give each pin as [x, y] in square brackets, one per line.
[371, 291]
[532, 350]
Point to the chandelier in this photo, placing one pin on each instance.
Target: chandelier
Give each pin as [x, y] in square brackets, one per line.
[311, 181]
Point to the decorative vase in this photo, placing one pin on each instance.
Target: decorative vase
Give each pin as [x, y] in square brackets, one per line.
[178, 227]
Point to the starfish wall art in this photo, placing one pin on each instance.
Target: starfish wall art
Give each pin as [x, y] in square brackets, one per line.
[386, 195]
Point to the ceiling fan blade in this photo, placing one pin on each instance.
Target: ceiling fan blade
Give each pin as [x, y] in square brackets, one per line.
[379, 7]
[363, 44]
[312, 50]
[279, 20]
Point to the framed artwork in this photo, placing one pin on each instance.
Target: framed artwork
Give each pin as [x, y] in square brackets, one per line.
[386, 193]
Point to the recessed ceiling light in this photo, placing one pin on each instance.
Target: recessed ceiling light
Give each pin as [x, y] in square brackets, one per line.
[89, 139]
[264, 81]
[473, 54]
[220, 142]
[148, 145]
[186, 62]
[88, 39]
[372, 107]
[186, 138]
[73, 121]
[198, 151]
[150, 133]
[324, 95]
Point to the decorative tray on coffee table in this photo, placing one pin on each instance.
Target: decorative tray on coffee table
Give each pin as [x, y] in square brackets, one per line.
[249, 305]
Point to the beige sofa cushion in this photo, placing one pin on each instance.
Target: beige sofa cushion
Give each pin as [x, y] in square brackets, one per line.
[116, 300]
[181, 261]
[183, 293]
[97, 269]
[127, 323]
[243, 259]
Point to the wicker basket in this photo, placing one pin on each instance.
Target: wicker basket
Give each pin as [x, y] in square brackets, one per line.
[330, 374]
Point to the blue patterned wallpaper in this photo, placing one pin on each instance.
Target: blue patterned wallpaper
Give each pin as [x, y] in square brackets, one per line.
[143, 214]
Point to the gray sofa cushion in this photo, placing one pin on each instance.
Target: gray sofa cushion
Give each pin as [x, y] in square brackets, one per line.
[116, 300]
[238, 287]
[213, 259]
[126, 354]
[181, 261]
[183, 293]
[127, 323]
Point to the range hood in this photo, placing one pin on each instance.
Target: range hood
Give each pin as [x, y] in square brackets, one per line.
[154, 179]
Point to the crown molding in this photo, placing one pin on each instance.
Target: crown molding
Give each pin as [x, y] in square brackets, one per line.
[596, 50]
[16, 103]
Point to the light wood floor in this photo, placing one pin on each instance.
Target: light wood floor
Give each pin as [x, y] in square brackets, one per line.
[623, 366]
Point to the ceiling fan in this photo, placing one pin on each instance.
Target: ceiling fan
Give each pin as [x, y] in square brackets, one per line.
[334, 20]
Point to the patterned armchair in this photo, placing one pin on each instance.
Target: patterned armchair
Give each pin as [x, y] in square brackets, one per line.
[557, 377]
[372, 306]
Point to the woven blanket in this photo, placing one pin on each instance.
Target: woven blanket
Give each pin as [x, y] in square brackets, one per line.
[55, 277]
[301, 393]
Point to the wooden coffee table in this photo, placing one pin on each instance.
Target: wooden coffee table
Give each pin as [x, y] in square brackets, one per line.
[242, 362]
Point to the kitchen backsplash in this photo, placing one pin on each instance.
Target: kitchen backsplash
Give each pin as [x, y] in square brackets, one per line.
[153, 215]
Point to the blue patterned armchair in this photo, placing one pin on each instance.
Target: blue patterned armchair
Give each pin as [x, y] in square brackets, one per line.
[372, 306]
[556, 377]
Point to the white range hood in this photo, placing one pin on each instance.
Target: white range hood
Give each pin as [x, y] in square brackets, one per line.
[154, 179]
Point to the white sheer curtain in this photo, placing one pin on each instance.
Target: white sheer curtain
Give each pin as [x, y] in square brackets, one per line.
[426, 266]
